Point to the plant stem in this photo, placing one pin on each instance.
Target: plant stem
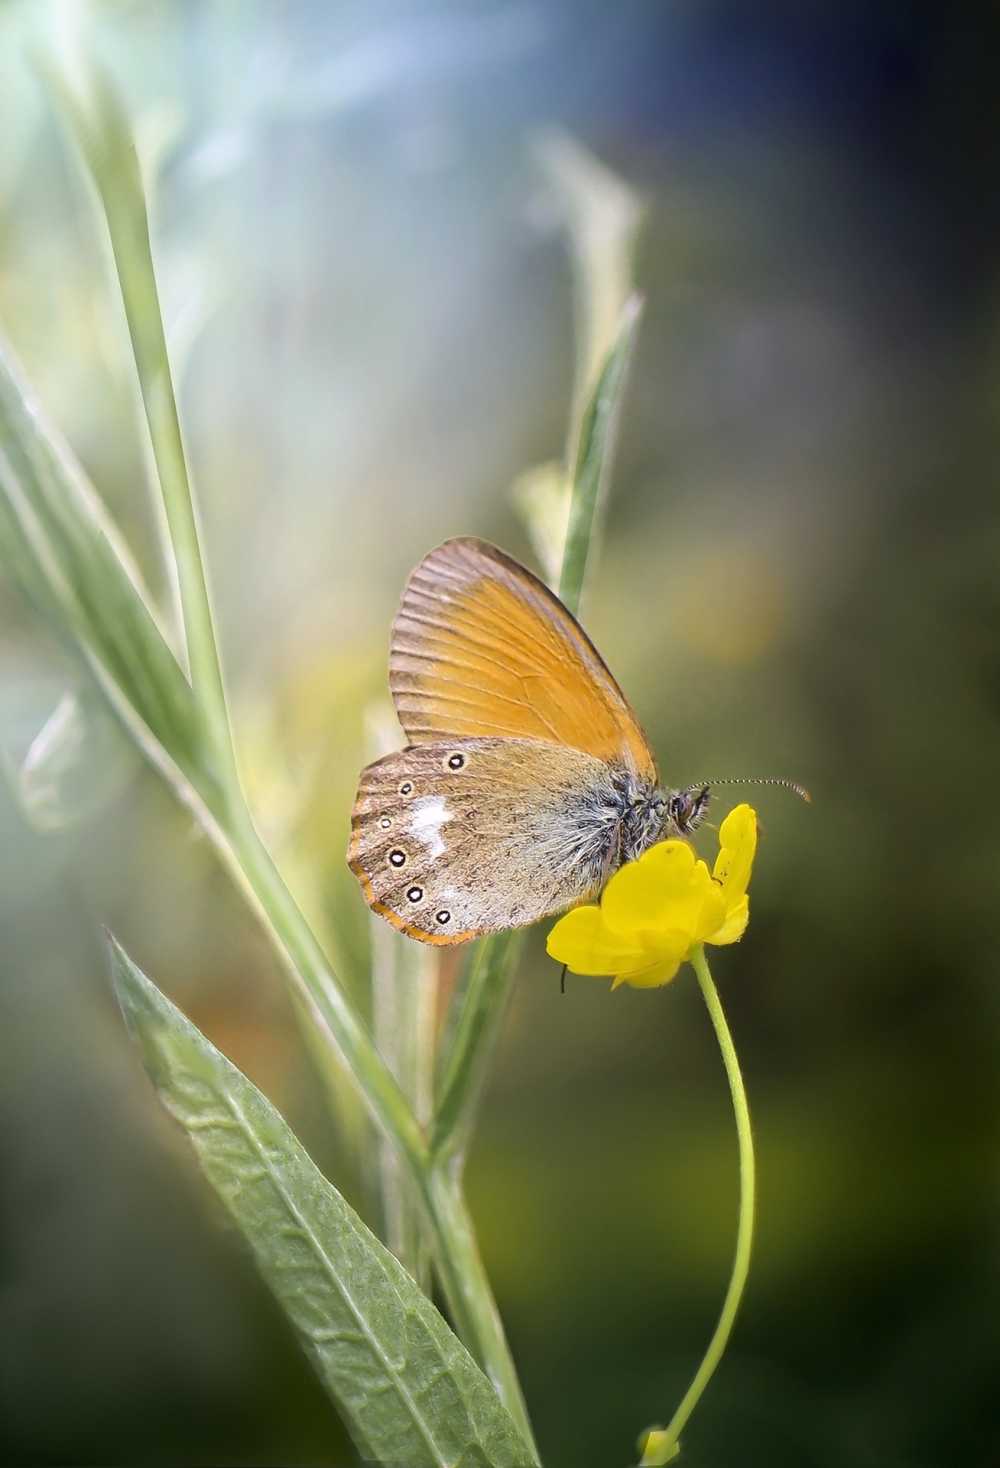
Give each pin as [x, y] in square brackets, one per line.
[473, 1043]
[404, 1004]
[663, 1445]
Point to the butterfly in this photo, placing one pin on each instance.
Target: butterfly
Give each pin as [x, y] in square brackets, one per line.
[527, 780]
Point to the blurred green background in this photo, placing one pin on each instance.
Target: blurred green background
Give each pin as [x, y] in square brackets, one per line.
[367, 284]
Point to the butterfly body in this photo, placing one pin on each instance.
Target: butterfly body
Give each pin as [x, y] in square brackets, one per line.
[527, 781]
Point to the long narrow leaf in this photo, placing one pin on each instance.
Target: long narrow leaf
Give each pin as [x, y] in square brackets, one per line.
[602, 215]
[408, 1390]
[59, 545]
[100, 127]
[593, 461]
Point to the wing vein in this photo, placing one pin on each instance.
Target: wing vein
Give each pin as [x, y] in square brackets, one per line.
[451, 631]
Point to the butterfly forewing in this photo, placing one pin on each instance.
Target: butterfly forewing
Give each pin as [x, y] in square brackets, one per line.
[466, 836]
[481, 647]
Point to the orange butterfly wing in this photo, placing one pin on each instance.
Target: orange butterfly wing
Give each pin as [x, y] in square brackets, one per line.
[481, 648]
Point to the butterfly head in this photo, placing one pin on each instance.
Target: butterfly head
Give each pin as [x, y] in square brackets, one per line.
[682, 811]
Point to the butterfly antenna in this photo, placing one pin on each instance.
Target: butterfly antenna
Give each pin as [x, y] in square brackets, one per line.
[799, 790]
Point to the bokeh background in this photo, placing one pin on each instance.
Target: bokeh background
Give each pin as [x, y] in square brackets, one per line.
[367, 264]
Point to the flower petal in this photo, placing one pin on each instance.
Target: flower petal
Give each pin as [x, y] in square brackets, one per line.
[695, 907]
[704, 908]
[652, 977]
[737, 846]
[643, 893]
[582, 941]
[734, 927]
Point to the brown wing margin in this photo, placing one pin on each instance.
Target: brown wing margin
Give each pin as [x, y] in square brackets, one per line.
[439, 940]
[481, 647]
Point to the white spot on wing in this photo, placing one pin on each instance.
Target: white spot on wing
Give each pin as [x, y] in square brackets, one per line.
[426, 820]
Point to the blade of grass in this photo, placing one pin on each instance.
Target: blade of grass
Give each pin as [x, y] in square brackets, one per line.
[62, 550]
[101, 131]
[598, 433]
[484, 1000]
[406, 1388]
[602, 215]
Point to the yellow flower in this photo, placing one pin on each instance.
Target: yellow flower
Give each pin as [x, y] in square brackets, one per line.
[655, 910]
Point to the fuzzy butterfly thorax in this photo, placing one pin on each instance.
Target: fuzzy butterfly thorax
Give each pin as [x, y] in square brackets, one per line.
[646, 814]
[527, 780]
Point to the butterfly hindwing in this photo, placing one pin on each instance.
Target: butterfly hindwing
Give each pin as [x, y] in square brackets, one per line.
[481, 647]
[467, 836]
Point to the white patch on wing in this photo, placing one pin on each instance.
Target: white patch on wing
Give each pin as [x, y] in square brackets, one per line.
[426, 819]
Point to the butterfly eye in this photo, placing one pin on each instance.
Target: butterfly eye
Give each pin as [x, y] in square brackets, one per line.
[456, 761]
[444, 916]
[406, 788]
[414, 894]
[397, 857]
[385, 823]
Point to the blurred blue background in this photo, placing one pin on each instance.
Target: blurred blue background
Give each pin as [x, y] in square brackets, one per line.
[365, 259]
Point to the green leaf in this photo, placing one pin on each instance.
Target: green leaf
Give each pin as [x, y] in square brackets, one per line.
[602, 215]
[407, 1389]
[99, 124]
[59, 545]
[593, 461]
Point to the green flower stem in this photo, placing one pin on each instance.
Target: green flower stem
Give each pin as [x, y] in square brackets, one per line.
[663, 1445]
